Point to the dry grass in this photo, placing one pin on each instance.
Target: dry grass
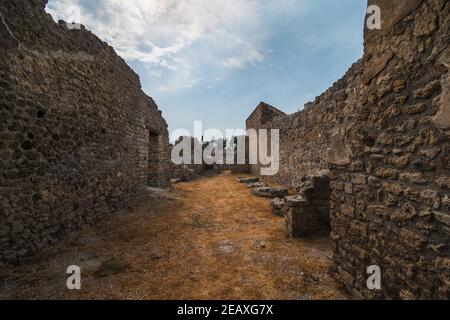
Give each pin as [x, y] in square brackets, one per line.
[169, 246]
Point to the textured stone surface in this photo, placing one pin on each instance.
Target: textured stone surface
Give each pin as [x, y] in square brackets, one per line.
[279, 207]
[309, 212]
[256, 185]
[294, 201]
[389, 221]
[248, 180]
[389, 202]
[79, 138]
[339, 154]
[392, 12]
[376, 66]
[442, 117]
[270, 192]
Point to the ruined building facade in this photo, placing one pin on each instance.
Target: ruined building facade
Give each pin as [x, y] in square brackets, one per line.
[78, 137]
[381, 134]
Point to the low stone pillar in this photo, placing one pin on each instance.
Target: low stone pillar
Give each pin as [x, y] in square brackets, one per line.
[306, 219]
[295, 224]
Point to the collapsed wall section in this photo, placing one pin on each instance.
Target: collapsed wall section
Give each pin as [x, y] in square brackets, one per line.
[79, 138]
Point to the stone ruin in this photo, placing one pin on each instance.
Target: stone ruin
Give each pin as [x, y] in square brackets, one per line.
[186, 172]
[262, 189]
[381, 136]
[308, 212]
[79, 140]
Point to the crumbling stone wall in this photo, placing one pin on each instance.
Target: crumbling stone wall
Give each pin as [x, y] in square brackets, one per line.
[79, 138]
[390, 165]
[383, 131]
[308, 212]
[305, 136]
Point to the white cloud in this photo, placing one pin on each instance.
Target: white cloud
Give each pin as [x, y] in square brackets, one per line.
[251, 57]
[175, 39]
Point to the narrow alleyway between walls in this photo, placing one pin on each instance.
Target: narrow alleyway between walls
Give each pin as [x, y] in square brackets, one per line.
[207, 239]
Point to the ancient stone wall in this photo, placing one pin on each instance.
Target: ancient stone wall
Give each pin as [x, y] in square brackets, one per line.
[390, 165]
[79, 138]
[383, 131]
[260, 117]
[305, 136]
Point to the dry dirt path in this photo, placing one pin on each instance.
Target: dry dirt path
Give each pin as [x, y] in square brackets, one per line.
[207, 239]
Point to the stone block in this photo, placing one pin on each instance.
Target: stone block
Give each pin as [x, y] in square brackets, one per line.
[279, 207]
[269, 192]
[248, 180]
[442, 118]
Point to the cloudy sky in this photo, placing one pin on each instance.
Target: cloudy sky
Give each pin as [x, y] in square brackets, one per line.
[215, 60]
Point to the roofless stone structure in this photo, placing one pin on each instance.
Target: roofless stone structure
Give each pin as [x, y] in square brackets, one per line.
[79, 140]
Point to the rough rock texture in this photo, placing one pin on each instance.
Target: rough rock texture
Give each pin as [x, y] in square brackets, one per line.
[182, 173]
[442, 117]
[383, 131]
[256, 185]
[270, 192]
[308, 213]
[304, 137]
[248, 180]
[79, 138]
[387, 202]
[392, 12]
[279, 207]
